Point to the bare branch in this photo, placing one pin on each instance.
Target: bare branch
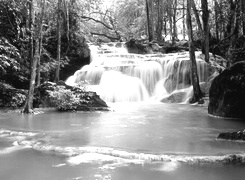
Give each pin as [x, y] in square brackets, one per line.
[98, 21]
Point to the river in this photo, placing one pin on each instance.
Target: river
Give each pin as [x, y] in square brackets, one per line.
[138, 141]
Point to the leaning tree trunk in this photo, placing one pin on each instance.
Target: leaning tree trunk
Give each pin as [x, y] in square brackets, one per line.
[199, 25]
[197, 95]
[149, 13]
[57, 75]
[205, 34]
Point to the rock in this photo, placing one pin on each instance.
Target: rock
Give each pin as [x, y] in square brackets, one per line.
[239, 135]
[134, 46]
[11, 97]
[77, 57]
[66, 98]
[177, 97]
[227, 93]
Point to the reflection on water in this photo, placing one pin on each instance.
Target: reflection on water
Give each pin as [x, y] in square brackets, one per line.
[133, 141]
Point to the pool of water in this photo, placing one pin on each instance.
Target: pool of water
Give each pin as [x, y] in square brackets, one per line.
[133, 141]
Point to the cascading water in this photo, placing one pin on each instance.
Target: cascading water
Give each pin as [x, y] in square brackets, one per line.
[118, 76]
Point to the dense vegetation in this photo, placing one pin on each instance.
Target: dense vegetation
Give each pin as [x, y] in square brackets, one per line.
[49, 36]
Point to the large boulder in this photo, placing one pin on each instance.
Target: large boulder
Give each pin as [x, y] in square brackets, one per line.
[68, 98]
[135, 46]
[227, 92]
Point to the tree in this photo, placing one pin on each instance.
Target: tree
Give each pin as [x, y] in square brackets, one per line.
[184, 21]
[43, 2]
[28, 107]
[57, 75]
[243, 15]
[159, 24]
[197, 95]
[149, 13]
[196, 13]
[205, 33]
[175, 33]
[216, 11]
[233, 28]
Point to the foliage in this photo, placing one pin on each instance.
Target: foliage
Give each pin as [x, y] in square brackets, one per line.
[64, 99]
[9, 55]
[15, 34]
[11, 97]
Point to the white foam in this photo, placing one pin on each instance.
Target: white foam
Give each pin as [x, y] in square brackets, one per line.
[9, 150]
[169, 166]
[91, 158]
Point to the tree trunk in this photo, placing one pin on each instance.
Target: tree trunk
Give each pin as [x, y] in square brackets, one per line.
[174, 38]
[184, 21]
[57, 75]
[243, 16]
[233, 29]
[199, 25]
[222, 21]
[149, 11]
[205, 38]
[165, 26]
[197, 95]
[159, 26]
[31, 32]
[28, 107]
[171, 27]
[216, 10]
[40, 44]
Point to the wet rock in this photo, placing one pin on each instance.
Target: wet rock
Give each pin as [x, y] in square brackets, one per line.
[135, 46]
[67, 98]
[227, 93]
[176, 97]
[77, 56]
[236, 136]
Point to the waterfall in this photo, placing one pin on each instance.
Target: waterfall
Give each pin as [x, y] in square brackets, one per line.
[118, 76]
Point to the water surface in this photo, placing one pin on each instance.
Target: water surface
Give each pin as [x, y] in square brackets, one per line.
[134, 141]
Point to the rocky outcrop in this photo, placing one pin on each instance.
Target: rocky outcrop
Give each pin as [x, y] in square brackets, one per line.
[227, 93]
[68, 98]
[77, 56]
[138, 47]
[236, 136]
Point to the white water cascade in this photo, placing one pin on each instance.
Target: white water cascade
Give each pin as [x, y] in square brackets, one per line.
[118, 76]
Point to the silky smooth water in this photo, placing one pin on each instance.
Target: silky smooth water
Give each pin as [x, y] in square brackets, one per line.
[133, 141]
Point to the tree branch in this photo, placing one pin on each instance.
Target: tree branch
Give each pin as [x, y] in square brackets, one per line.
[95, 20]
